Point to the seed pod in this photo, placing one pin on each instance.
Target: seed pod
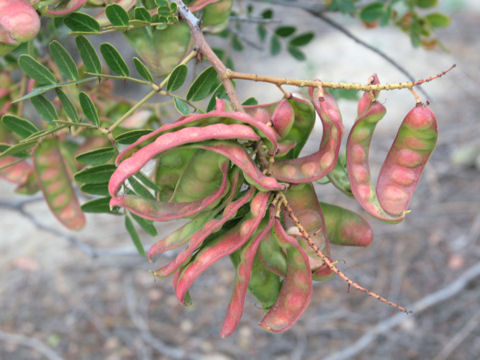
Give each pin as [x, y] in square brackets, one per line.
[358, 145]
[223, 245]
[19, 22]
[182, 235]
[54, 181]
[368, 96]
[313, 167]
[339, 176]
[64, 8]
[404, 164]
[199, 237]
[301, 128]
[264, 285]
[202, 121]
[165, 211]
[304, 203]
[345, 227]
[18, 173]
[240, 158]
[272, 256]
[283, 118]
[296, 289]
[168, 141]
[242, 277]
[200, 177]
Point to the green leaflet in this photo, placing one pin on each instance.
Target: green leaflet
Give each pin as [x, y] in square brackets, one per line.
[82, 22]
[40, 73]
[20, 126]
[64, 61]
[114, 60]
[89, 108]
[117, 15]
[88, 54]
[45, 108]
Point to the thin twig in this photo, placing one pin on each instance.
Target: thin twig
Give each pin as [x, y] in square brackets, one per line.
[30, 342]
[318, 11]
[204, 48]
[418, 307]
[330, 264]
[332, 85]
[379, 52]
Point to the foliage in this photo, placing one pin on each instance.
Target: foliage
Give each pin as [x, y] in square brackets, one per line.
[234, 170]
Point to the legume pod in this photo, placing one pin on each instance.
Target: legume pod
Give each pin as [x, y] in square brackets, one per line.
[296, 290]
[54, 181]
[242, 277]
[313, 167]
[167, 141]
[223, 245]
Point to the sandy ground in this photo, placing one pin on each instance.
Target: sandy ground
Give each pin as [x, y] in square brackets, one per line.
[60, 299]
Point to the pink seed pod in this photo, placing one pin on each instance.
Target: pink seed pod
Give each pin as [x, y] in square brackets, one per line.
[358, 146]
[64, 8]
[283, 117]
[296, 290]
[304, 203]
[345, 227]
[53, 179]
[18, 173]
[224, 245]
[242, 277]
[168, 141]
[203, 120]
[199, 237]
[317, 165]
[368, 96]
[19, 20]
[241, 158]
[404, 164]
[165, 211]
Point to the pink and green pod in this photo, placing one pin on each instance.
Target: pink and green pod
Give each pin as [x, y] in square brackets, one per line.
[19, 22]
[167, 141]
[368, 96]
[218, 116]
[404, 164]
[317, 165]
[165, 211]
[304, 203]
[197, 239]
[238, 156]
[62, 8]
[345, 227]
[223, 245]
[358, 146]
[54, 181]
[296, 289]
[242, 277]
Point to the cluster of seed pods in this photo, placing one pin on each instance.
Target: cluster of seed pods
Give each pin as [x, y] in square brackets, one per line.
[231, 174]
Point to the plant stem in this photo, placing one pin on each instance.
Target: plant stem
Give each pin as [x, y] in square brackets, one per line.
[205, 49]
[331, 85]
[132, 110]
[120, 77]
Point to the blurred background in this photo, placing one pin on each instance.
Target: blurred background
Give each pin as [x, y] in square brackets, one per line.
[89, 295]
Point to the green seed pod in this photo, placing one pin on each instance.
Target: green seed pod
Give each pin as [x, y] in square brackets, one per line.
[54, 180]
